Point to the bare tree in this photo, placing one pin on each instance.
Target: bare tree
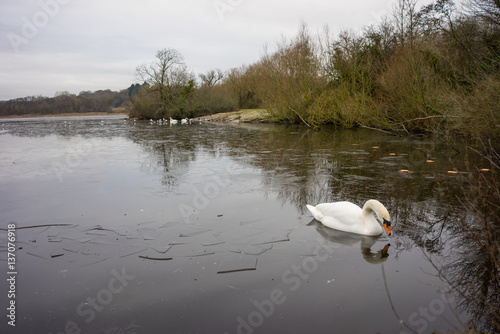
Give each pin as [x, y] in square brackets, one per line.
[166, 76]
[442, 16]
[211, 78]
[406, 21]
[489, 10]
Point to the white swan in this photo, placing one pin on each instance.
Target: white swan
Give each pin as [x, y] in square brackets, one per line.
[173, 121]
[348, 217]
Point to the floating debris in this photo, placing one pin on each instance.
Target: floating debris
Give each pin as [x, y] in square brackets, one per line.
[484, 170]
[452, 172]
[404, 171]
[237, 265]
[430, 161]
[155, 258]
[392, 154]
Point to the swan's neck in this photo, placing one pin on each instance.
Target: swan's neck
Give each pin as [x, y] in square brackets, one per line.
[373, 206]
[368, 218]
[368, 209]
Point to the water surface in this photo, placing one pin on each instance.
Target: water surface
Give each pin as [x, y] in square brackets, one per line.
[132, 227]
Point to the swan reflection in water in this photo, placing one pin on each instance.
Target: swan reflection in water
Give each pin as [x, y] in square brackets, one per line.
[346, 238]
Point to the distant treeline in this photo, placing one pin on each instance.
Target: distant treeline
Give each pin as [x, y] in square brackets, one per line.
[64, 102]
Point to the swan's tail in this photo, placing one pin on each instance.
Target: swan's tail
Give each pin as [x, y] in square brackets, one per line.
[315, 212]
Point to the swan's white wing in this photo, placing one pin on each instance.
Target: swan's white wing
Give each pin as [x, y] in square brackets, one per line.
[344, 216]
[340, 210]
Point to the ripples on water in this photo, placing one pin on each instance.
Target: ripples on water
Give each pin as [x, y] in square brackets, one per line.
[207, 223]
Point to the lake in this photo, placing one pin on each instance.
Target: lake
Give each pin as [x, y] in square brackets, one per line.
[125, 226]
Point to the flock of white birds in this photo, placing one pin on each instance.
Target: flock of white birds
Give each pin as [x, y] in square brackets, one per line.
[164, 121]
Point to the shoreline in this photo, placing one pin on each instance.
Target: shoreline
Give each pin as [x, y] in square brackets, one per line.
[243, 116]
[63, 115]
[239, 116]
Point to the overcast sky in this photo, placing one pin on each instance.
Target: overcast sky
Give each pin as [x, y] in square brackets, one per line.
[74, 45]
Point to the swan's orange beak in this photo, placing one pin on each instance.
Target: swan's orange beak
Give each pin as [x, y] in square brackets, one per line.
[387, 226]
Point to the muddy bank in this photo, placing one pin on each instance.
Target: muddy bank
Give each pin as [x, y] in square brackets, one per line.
[240, 116]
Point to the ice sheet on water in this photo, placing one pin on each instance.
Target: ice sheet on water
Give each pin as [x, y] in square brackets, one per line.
[161, 248]
[266, 237]
[130, 250]
[188, 250]
[238, 235]
[249, 249]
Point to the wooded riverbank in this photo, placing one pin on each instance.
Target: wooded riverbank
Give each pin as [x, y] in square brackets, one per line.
[422, 69]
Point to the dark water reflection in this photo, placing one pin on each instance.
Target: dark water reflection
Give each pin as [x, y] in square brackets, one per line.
[203, 228]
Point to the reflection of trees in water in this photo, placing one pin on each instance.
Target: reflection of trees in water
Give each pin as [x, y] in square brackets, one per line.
[472, 264]
[474, 279]
[308, 167]
[168, 160]
[301, 167]
[169, 150]
[457, 227]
